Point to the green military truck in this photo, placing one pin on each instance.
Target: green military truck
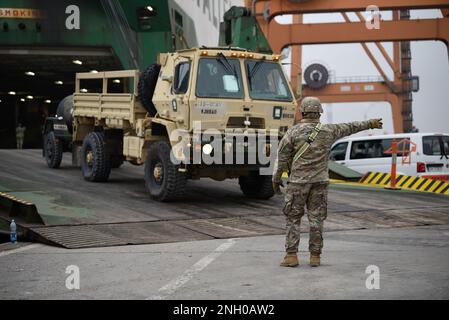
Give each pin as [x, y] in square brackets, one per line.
[184, 118]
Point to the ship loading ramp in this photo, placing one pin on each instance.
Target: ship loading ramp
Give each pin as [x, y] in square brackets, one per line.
[59, 207]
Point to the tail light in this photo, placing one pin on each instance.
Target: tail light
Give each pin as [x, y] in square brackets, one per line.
[420, 167]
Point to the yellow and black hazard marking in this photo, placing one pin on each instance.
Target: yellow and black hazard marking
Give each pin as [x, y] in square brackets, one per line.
[407, 182]
[19, 208]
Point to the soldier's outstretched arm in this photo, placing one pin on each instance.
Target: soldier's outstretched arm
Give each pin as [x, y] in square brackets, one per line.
[345, 129]
[284, 155]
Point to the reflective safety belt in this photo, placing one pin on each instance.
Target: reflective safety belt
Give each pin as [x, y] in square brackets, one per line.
[305, 146]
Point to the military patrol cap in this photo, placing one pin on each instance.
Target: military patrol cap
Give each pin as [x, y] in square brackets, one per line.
[311, 104]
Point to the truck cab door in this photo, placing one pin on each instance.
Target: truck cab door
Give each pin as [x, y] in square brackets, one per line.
[181, 91]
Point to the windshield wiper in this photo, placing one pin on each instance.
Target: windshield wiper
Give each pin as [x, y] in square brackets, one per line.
[255, 68]
[226, 64]
[251, 72]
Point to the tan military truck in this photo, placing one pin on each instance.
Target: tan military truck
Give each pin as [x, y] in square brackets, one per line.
[204, 112]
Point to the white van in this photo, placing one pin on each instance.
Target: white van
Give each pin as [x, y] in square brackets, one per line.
[368, 153]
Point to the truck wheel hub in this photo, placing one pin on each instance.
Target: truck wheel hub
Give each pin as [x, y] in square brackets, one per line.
[158, 173]
[90, 158]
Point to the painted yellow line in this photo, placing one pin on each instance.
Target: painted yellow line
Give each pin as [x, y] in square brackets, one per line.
[384, 180]
[414, 183]
[401, 181]
[370, 176]
[424, 186]
[377, 180]
[434, 187]
[407, 185]
[441, 188]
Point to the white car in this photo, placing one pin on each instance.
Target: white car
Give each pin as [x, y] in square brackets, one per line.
[370, 153]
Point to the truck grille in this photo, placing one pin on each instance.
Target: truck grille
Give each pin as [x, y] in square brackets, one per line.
[238, 122]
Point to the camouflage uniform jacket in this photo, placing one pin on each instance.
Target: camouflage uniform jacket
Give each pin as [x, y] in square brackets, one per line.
[313, 165]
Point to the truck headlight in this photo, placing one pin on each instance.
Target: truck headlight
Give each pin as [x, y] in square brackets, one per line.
[207, 149]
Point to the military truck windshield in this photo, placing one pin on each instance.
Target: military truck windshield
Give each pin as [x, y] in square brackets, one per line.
[266, 81]
[219, 77]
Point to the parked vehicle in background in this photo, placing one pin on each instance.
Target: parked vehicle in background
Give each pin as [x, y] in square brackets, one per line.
[370, 153]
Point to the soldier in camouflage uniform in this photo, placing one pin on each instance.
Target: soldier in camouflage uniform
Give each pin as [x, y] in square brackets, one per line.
[308, 176]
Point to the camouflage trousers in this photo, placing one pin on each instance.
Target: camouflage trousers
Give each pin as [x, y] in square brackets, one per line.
[314, 197]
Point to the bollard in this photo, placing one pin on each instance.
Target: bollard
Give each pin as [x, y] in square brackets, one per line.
[394, 157]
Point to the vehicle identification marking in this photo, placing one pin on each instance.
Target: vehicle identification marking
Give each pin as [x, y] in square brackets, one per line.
[211, 107]
[59, 127]
[209, 104]
[209, 111]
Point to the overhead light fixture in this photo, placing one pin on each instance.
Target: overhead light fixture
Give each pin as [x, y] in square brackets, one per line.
[116, 80]
[47, 101]
[30, 97]
[12, 93]
[93, 71]
[79, 62]
[83, 90]
[30, 73]
[22, 99]
[0, 100]
[59, 82]
[150, 8]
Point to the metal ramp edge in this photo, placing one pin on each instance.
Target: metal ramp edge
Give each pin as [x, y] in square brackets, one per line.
[21, 210]
[341, 172]
[132, 233]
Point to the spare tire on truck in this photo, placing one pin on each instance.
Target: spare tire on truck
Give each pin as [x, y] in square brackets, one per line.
[147, 84]
[64, 110]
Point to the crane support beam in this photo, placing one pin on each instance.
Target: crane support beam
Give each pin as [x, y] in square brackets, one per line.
[321, 33]
[360, 92]
[378, 44]
[280, 7]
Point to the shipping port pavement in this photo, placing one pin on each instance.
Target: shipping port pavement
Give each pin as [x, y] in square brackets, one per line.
[216, 244]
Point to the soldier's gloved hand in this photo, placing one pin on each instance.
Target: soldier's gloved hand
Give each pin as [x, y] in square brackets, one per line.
[277, 186]
[376, 123]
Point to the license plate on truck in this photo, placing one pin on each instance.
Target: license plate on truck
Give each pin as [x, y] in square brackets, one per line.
[61, 127]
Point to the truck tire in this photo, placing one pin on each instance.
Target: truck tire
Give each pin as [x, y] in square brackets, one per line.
[52, 150]
[95, 162]
[147, 84]
[162, 179]
[256, 186]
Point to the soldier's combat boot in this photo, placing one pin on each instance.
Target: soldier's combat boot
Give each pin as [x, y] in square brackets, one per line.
[314, 260]
[290, 260]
